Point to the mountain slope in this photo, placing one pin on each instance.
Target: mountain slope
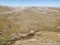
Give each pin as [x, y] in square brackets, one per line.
[17, 21]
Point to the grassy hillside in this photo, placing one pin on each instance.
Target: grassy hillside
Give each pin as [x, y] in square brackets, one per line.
[23, 20]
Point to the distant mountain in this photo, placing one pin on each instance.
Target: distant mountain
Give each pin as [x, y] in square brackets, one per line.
[5, 8]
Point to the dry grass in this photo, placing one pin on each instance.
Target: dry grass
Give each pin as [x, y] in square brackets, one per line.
[47, 23]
